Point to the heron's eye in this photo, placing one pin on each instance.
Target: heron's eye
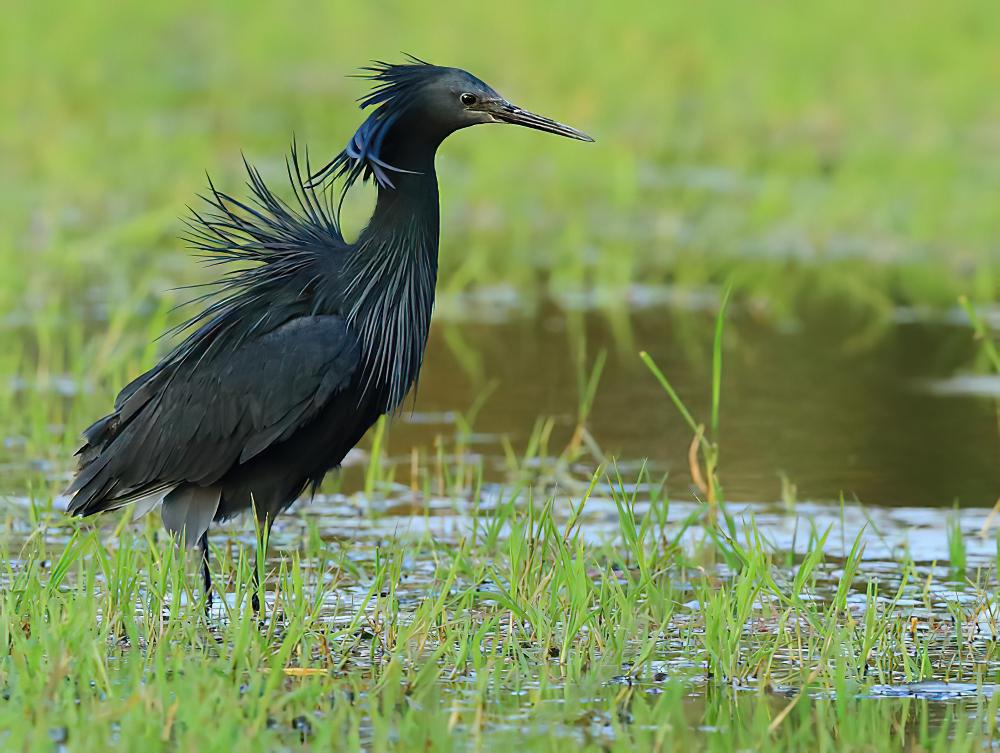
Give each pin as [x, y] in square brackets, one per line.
[468, 99]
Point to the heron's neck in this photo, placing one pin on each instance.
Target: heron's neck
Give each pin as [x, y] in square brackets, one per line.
[410, 205]
[402, 234]
[392, 277]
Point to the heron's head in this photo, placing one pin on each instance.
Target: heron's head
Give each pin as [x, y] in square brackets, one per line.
[449, 99]
[417, 103]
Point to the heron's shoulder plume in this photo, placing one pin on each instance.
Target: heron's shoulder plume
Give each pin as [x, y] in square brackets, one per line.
[396, 87]
[274, 250]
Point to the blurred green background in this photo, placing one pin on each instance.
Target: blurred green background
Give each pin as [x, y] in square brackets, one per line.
[772, 139]
[826, 157]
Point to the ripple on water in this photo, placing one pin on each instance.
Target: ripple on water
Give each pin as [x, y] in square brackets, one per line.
[932, 690]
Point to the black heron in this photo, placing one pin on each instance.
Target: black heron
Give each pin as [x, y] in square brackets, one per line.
[307, 339]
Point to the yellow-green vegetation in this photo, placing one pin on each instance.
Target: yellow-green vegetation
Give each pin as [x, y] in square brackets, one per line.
[497, 621]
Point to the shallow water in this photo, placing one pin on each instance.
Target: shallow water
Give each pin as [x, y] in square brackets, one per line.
[887, 413]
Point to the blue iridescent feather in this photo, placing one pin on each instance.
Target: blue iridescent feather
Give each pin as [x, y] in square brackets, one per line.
[398, 86]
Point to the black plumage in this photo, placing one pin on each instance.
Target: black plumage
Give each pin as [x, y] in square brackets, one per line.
[306, 339]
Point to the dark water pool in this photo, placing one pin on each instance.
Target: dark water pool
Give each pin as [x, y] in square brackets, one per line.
[890, 412]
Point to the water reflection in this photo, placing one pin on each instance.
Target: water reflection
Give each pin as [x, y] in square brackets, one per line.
[835, 405]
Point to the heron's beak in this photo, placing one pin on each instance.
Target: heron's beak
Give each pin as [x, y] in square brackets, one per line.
[508, 113]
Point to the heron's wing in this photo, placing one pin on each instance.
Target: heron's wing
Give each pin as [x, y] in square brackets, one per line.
[191, 422]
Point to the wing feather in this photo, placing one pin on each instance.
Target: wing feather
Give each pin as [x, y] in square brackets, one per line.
[193, 420]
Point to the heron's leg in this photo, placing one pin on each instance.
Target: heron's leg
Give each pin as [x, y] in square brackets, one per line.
[265, 530]
[255, 599]
[206, 574]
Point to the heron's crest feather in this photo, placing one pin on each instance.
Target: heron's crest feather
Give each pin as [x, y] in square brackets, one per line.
[395, 90]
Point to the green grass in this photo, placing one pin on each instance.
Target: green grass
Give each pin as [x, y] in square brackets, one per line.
[519, 631]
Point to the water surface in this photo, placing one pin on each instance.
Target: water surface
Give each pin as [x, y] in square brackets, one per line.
[885, 412]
